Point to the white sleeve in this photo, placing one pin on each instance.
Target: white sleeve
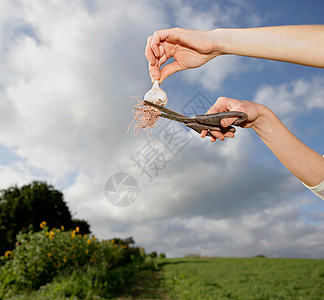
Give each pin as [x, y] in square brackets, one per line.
[318, 190]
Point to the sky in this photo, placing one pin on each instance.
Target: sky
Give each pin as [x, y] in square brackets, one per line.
[70, 74]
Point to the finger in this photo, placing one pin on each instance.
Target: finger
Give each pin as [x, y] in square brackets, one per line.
[162, 60]
[162, 51]
[216, 108]
[148, 52]
[217, 135]
[154, 72]
[213, 139]
[158, 37]
[229, 134]
[152, 78]
[169, 70]
[155, 43]
[228, 121]
[203, 133]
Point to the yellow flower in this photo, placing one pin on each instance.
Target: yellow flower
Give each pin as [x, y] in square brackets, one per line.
[73, 235]
[47, 233]
[77, 229]
[65, 259]
[57, 264]
[94, 238]
[51, 235]
[80, 235]
[112, 241]
[49, 254]
[62, 228]
[8, 254]
[88, 241]
[58, 230]
[42, 225]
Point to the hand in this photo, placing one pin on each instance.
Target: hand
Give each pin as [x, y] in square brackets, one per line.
[189, 48]
[223, 104]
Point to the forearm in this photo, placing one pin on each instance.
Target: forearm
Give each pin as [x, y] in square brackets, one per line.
[300, 44]
[303, 162]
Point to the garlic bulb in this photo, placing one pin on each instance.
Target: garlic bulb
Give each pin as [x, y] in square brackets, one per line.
[156, 95]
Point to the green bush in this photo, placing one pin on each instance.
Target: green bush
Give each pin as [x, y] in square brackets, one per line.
[39, 257]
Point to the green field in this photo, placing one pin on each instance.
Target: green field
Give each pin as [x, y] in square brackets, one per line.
[243, 278]
[56, 264]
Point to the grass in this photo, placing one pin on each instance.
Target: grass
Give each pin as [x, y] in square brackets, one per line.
[244, 278]
[203, 278]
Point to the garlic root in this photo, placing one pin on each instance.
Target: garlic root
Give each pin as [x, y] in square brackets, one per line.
[145, 118]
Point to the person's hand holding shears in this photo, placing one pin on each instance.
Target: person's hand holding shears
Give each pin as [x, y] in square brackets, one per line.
[252, 110]
[209, 124]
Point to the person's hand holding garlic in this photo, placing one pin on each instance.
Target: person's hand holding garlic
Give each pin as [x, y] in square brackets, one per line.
[189, 48]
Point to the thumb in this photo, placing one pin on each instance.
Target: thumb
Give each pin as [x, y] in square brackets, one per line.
[169, 69]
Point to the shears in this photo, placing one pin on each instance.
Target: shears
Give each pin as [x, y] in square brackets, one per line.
[211, 122]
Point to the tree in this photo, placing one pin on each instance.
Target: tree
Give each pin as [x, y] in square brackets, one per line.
[30, 205]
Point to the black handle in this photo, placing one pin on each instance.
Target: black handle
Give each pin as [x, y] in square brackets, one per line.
[214, 119]
[199, 127]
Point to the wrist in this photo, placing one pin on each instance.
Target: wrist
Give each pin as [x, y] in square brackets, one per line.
[263, 122]
[221, 40]
[218, 37]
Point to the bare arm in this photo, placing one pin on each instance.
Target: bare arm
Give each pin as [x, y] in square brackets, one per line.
[299, 44]
[306, 164]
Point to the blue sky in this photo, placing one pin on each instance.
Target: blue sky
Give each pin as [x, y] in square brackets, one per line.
[68, 72]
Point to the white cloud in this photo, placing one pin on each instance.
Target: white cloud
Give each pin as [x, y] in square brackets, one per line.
[291, 99]
[17, 174]
[263, 232]
[207, 17]
[213, 74]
